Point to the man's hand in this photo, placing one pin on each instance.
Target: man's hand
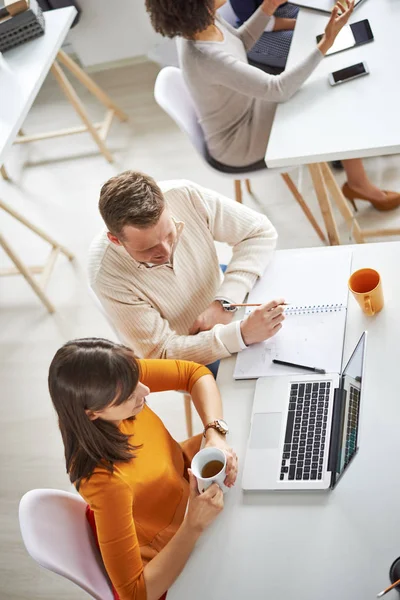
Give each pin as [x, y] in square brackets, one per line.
[216, 440]
[263, 322]
[270, 6]
[211, 316]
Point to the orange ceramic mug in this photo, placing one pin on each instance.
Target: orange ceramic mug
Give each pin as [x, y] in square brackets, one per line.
[366, 287]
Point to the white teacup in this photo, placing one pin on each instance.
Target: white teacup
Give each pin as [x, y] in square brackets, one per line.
[202, 464]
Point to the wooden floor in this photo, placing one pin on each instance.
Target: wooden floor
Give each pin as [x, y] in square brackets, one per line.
[56, 184]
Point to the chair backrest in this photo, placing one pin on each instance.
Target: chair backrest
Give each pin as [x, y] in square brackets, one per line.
[226, 12]
[172, 94]
[57, 535]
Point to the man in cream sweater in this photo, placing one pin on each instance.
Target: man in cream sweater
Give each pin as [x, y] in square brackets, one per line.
[156, 272]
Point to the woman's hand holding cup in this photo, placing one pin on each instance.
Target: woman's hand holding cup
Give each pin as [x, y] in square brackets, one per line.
[203, 508]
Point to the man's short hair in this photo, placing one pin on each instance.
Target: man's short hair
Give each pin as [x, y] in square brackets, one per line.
[130, 198]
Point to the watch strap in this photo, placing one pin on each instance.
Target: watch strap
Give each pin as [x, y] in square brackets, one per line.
[214, 425]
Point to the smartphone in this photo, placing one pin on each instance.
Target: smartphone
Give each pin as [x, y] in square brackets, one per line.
[350, 36]
[348, 73]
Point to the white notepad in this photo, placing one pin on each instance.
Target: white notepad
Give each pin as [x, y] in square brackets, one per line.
[315, 285]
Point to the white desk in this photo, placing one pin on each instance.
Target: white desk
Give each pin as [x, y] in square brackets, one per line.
[352, 120]
[23, 71]
[314, 546]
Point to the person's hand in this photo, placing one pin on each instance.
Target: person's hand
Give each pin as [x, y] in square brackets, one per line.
[263, 322]
[203, 508]
[270, 6]
[216, 440]
[211, 316]
[339, 17]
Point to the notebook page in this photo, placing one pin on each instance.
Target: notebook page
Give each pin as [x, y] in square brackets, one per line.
[305, 278]
[315, 336]
[315, 340]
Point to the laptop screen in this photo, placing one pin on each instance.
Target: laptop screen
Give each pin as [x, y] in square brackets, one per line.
[351, 384]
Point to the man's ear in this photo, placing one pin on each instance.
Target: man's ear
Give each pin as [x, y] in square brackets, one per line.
[92, 415]
[113, 239]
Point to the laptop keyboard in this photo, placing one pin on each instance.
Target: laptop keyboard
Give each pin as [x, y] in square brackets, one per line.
[352, 422]
[304, 445]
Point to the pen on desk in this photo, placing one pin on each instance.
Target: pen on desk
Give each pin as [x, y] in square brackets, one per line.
[289, 364]
[228, 305]
[388, 589]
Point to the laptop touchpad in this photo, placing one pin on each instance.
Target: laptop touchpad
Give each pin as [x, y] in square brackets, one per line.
[266, 430]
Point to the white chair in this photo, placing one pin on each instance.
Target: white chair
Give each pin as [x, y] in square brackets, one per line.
[187, 398]
[228, 14]
[57, 535]
[172, 94]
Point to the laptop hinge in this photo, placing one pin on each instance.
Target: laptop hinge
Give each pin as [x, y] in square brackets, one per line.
[337, 422]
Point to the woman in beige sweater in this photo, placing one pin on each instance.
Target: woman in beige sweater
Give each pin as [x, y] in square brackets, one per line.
[236, 102]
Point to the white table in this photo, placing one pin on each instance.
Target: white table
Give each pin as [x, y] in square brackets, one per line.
[23, 71]
[314, 546]
[354, 120]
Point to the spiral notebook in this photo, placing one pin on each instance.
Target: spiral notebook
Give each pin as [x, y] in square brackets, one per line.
[314, 283]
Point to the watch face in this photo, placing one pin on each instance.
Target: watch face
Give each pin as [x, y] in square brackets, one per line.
[223, 425]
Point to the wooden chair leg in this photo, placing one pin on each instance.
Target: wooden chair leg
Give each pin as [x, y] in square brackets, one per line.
[188, 414]
[90, 84]
[74, 99]
[4, 173]
[248, 186]
[324, 204]
[42, 234]
[238, 191]
[25, 272]
[303, 205]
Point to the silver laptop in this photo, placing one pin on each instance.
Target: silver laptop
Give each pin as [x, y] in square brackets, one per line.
[321, 5]
[304, 429]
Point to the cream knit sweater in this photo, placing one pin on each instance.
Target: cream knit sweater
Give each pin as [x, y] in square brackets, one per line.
[153, 308]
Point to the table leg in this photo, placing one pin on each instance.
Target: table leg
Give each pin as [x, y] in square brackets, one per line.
[25, 272]
[341, 203]
[74, 99]
[324, 204]
[303, 205]
[90, 84]
[42, 234]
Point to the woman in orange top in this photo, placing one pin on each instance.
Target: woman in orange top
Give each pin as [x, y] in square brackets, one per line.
[126, 465]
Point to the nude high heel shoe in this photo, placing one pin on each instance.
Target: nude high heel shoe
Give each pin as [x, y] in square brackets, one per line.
[391, 202]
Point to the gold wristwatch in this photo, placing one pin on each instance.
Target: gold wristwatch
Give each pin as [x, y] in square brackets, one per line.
[219, 425]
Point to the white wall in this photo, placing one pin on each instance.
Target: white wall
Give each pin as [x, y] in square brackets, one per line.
[112, 30]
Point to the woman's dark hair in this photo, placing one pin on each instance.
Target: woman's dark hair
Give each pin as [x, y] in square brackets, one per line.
[180, 17]
[90, 374]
